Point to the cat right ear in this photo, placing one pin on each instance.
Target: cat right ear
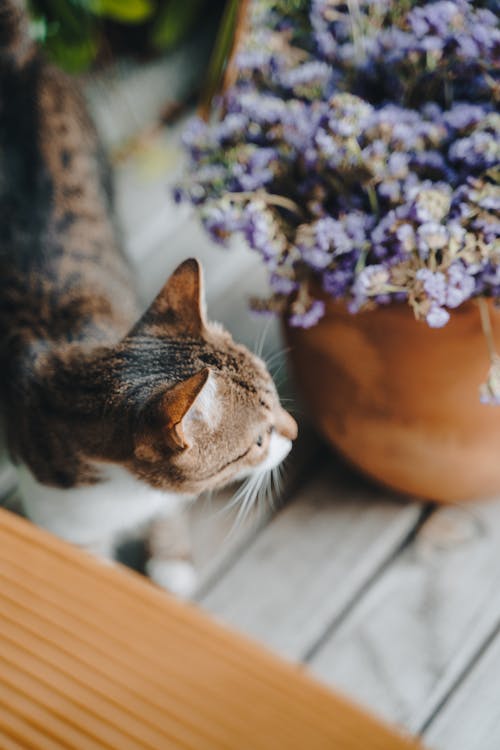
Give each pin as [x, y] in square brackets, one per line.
[180, 305]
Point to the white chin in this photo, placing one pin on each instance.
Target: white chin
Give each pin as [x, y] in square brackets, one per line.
[279, 448]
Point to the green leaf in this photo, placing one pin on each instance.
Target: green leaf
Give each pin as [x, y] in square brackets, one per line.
[74, 56]
[71, 37]
[220, 55]
[72, 19]
[175, 20]
[125, 11]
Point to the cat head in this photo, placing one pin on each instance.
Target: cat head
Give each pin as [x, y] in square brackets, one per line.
[211, 412]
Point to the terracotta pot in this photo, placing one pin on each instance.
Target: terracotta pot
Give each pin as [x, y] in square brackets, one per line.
[400, 400]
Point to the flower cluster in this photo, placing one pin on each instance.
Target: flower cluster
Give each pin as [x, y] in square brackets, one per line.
[359, 152]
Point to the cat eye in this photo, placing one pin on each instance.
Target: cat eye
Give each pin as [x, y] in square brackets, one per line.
[260, 441]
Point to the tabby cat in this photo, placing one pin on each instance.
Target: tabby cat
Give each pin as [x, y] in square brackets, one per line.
[115, 419]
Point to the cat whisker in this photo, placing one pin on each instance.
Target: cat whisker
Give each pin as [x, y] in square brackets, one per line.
[236, 498]
[276, 355]
[259, 500]
[262, 339]
[275, 372]
[241, 495]
[261, 490]
[280, 382]
[208, 498]
[280, 474]
[265, 498]
[257, 496]
[276, 486]
[247, 504]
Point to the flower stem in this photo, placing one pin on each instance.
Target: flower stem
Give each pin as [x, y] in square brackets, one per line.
[487, 329]
[361, 262]
[270, 198]
[372, 198]
[219, 69]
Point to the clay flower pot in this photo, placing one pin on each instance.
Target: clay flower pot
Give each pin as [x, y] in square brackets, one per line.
[400, 400]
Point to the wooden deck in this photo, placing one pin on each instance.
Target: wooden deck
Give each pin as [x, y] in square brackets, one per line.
[395, 603]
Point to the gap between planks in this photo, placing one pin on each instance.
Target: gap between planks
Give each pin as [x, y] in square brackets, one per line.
[426, 510]
[312, 561]
[469, 716]
[479, 642]
[412, 640]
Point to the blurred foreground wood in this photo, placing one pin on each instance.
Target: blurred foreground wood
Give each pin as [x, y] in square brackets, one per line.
[92, 656]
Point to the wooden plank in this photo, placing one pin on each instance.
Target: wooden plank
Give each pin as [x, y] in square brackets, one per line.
[160, 234]
[312, 561]
[143, 189]
[421, 624]
[94, 657]
[221, 265]
[471, 718]
[128, 96]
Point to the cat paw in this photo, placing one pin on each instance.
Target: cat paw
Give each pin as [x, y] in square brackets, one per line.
[177, 576]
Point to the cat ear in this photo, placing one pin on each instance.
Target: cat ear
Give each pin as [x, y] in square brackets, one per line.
[180, 305]
[176, 404]
[167, 423]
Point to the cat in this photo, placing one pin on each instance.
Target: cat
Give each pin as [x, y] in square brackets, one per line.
[114, 418]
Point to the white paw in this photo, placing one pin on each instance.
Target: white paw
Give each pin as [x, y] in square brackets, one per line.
[177, 576]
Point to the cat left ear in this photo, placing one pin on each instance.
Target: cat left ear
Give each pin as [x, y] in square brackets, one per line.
[180, 305]
[166, 423]
[175, 405]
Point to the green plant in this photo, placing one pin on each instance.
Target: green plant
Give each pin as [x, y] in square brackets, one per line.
[72, 30]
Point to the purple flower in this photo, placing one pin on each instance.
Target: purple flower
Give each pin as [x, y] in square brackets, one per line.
[310, 317]
[263, 109]
[253, 59]
[233, 124]
[463, 116]
[479, 150]
[434, 283]
[361, 139]
[282, 284]
[260, 231]
[315, 257]
[256, 170]
[310, 75]
[372, 281]
[221, 221]
[337, 283]
[437, 317]
[431, 237]
[405, 235]
[460, 285]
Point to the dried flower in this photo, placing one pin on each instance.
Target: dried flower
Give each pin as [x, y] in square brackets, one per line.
[489, 392]
[360, 148]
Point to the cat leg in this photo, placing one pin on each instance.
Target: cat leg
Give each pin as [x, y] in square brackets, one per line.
[169, 562]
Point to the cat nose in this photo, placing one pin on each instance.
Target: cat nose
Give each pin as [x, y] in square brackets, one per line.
[286, 424]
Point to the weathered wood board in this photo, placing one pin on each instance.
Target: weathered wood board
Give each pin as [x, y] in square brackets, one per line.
[311, 562]
[414, 632]
[471, 718]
